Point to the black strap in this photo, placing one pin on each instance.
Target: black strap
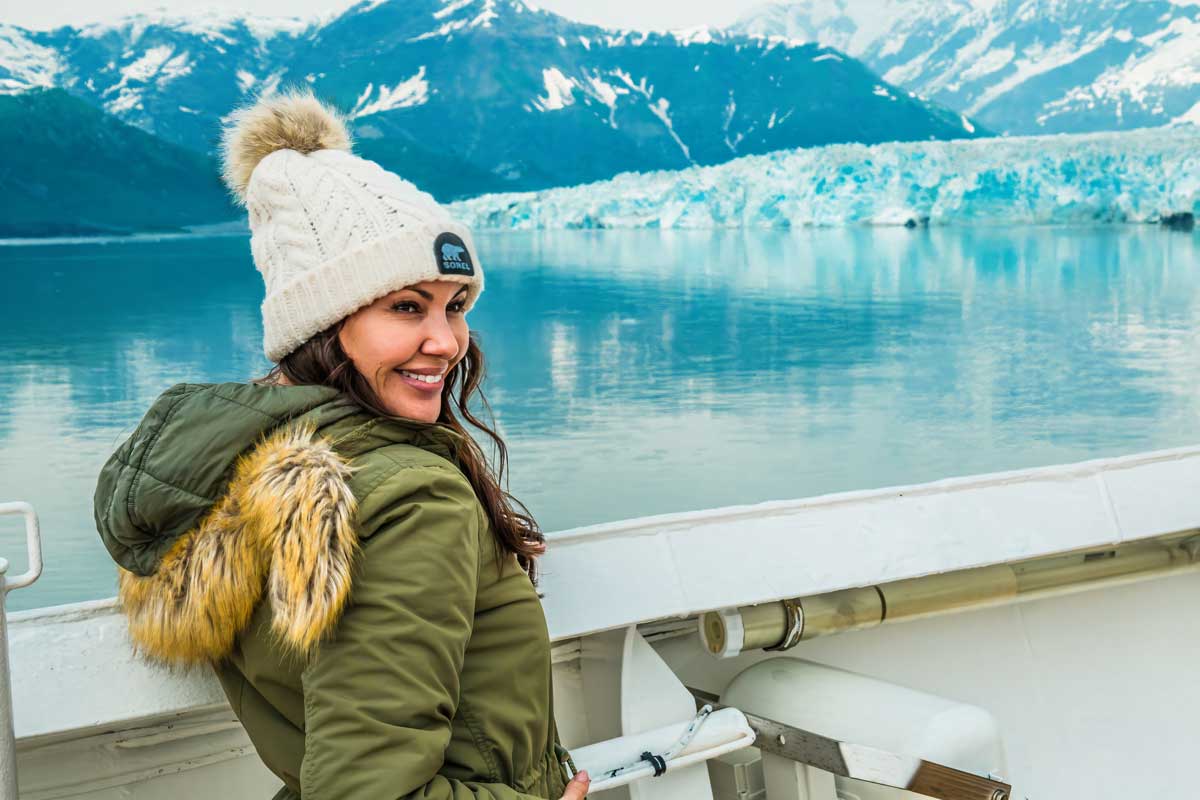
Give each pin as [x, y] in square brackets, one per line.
[658, 762]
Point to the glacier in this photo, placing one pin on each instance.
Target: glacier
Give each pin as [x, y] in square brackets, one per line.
[1138, 176]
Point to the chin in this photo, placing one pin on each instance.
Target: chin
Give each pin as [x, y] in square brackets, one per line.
[422, 412]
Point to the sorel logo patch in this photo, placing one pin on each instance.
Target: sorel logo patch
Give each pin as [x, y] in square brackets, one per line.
[452, 255]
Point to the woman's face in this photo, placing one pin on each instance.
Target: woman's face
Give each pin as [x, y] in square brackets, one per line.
[405, 342]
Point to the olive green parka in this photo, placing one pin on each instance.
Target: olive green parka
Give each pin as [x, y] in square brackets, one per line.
[339, 574]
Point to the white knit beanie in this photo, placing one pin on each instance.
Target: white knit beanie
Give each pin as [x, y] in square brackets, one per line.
[331, 232]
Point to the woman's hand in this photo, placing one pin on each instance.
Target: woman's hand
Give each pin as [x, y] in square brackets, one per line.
[577, 788]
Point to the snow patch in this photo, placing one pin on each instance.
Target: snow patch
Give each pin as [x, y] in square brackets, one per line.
[246, 80]
[892, 46]
[264, 29]
[606, 93]
[156, 68]
[270, 84]
[991, 61]
[25, 65]
[659, 109]
[408, 93]
[482, 19]
[485, 17]
[730, 110]
[558, 90]
[216, 25]
[1189, 117]
[698, 35]
[450, 8]
[158, 62]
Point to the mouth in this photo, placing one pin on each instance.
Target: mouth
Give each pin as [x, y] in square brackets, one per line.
[425, 380]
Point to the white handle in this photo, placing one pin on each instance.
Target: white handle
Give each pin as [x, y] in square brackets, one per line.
[33, 544]
[724, 731]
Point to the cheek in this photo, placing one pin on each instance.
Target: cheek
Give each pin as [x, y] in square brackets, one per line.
[369, 341]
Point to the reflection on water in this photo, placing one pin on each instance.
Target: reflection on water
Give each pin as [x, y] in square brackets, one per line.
[642, 372]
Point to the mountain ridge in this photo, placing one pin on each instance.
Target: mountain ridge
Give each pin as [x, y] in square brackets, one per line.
[468, 97]
[1018, 66]
[526, 74]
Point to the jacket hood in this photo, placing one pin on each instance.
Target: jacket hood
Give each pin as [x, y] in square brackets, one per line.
[224, 492]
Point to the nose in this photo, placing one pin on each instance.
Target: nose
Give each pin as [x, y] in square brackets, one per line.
[439, 337]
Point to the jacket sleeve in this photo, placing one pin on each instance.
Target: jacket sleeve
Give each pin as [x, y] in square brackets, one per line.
[380, 694]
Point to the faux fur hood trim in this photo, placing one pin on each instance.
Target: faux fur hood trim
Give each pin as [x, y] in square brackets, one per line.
[285, 526]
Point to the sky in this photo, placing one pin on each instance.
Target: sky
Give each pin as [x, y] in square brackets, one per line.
[41, 14]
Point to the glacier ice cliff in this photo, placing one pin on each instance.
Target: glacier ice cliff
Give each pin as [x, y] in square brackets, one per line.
[1138, 176]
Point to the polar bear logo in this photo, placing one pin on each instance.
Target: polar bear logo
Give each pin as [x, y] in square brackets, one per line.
[452, 255]
[452, 252]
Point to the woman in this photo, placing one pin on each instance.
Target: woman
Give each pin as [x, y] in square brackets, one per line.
[329, 539]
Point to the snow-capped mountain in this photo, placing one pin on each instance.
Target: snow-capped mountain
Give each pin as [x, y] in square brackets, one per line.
[167, 75]
[1019, 66]
[470, 96]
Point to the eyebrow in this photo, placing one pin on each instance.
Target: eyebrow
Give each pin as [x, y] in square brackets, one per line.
[429, 296]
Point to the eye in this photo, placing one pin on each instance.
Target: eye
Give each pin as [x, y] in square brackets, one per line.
[405, 307]
[457, 306]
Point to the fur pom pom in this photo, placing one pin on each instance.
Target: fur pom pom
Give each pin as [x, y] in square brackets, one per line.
[293, 120]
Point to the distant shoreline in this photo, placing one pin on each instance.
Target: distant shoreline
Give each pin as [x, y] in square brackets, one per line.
[192, 232]
[132, 238]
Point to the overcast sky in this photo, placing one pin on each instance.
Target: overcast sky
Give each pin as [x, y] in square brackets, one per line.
[616, 13]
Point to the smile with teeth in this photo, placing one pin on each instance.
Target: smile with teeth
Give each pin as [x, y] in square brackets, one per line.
[419, 377]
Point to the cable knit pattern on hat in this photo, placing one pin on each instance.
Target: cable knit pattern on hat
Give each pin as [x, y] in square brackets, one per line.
[332, 232]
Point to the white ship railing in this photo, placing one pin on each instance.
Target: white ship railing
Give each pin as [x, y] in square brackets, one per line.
[33, 545]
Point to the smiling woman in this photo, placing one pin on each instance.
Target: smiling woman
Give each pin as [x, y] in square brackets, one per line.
[329, 538]
[396, 355]
[406, 342]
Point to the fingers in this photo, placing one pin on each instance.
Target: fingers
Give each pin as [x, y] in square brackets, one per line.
[577, 788]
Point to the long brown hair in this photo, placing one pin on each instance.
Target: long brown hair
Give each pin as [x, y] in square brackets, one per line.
[322, 361]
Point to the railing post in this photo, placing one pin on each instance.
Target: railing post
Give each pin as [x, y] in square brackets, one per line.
[8, 742]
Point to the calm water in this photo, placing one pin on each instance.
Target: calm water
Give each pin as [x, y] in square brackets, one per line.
[646, 372]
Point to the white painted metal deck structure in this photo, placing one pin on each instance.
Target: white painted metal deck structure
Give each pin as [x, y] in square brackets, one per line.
[1093, 693]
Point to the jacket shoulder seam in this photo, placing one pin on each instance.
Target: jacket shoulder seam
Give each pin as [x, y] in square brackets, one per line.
[228, 399]
[399, 466]
[438, 462]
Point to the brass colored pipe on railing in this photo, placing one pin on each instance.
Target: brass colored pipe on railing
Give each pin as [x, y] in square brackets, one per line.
[783, 624]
